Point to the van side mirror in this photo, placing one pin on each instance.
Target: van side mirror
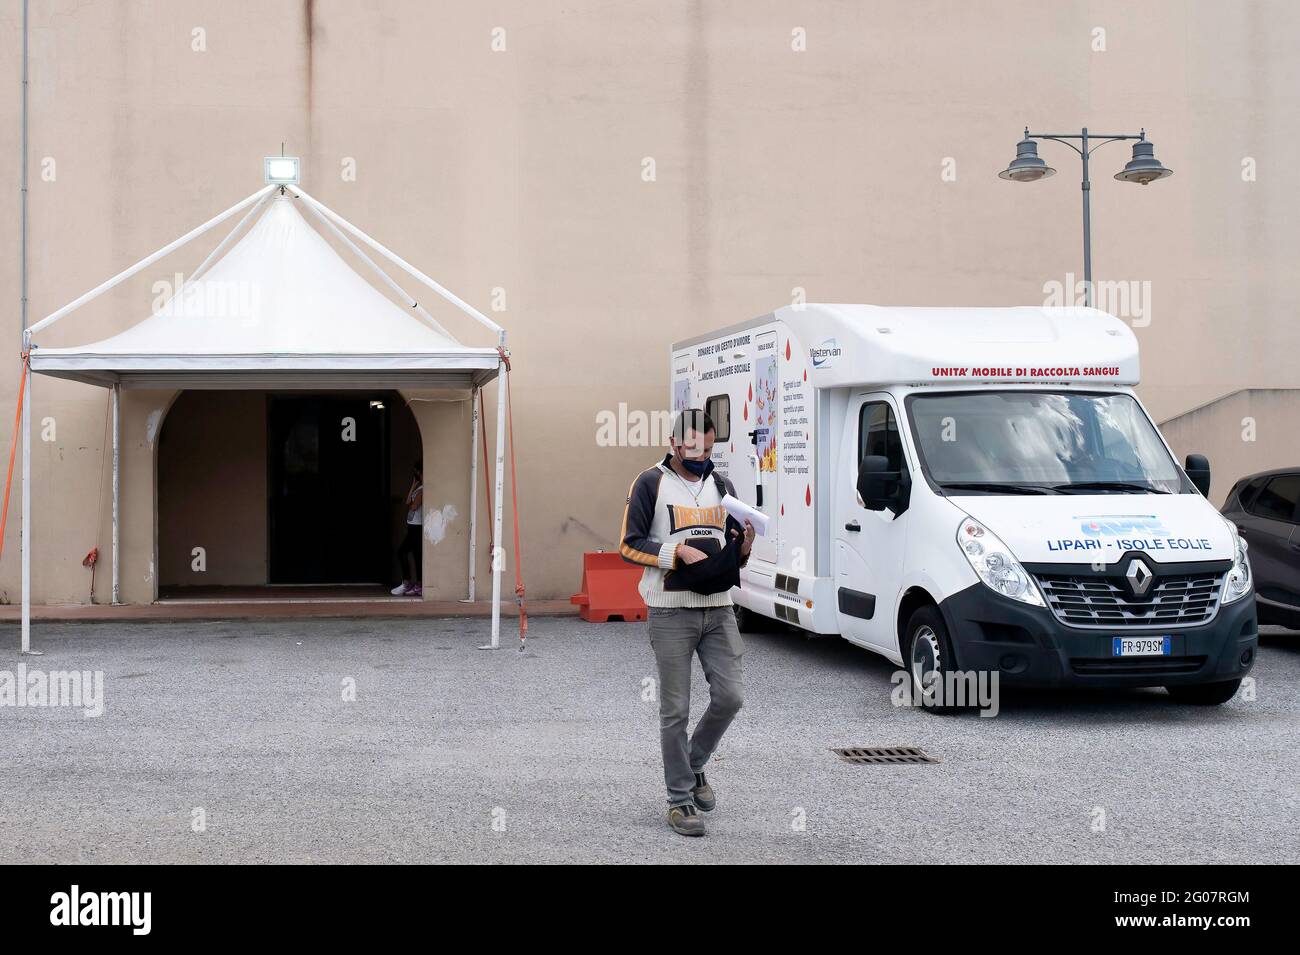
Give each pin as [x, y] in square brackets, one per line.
[880, 488]
[1197, 467]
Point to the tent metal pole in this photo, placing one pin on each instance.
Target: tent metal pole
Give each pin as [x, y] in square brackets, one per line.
[27, 504]
[473, 485]
[498, 552]
[383, 276]
[148, 260]
[225, 243]
[117, 496]
[401, 263]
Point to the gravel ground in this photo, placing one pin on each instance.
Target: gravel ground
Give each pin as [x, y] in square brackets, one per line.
[451, 753]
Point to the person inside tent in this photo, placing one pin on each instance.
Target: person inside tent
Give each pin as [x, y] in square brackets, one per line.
[410, 553]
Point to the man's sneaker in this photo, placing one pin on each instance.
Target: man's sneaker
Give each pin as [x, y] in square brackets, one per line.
[703, 793]
[400, 589]
[415, 591]
[686, 820]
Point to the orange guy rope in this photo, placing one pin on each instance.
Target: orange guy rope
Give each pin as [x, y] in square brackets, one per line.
[13, 446]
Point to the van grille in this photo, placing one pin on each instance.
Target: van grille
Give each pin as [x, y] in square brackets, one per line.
[1175, 600]
[1137, 666]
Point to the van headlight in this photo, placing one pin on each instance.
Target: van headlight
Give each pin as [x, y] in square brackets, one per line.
[1237, 584]
[993, 563]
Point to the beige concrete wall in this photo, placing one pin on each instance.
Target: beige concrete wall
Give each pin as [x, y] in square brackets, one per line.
[212, 489]
[1243, 433]
[523, 170]
[142, 417]
[444, 424]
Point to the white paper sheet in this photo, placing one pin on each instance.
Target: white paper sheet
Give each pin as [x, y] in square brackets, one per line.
[743, 512]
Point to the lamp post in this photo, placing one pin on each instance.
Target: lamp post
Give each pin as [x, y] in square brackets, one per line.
[1142, 169]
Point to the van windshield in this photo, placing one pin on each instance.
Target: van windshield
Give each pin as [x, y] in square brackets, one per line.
[1037, 442]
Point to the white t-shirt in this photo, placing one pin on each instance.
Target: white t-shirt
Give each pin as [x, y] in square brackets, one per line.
[416, 514]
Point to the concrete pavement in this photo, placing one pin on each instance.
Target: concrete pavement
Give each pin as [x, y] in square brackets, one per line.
[451, 753]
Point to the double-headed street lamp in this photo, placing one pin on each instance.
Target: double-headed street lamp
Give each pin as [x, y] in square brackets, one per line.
[1142, 169]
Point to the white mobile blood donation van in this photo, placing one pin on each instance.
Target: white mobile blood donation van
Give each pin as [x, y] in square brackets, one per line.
[973, 490]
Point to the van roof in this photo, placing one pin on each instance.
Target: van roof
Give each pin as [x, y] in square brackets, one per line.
[873, 344]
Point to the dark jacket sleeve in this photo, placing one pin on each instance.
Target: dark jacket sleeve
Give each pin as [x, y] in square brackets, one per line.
[636, 545]
[733, 524]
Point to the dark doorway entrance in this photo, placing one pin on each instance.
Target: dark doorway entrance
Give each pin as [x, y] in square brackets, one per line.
[328, 494]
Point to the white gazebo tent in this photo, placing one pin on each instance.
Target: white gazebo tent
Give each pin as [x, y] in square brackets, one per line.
[274, 306]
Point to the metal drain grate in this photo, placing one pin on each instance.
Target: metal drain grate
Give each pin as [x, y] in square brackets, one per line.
[884, 754]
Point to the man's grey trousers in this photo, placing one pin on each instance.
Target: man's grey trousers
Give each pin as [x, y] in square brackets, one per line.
[677, 634]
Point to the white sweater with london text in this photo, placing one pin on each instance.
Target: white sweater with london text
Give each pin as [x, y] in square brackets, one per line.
[663, 513]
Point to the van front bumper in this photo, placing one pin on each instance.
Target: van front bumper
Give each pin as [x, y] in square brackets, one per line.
[1028, 646]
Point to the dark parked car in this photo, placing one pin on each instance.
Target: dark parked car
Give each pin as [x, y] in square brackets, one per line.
[1266, 509]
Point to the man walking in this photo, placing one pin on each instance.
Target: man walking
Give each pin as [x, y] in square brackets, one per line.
[692, 550]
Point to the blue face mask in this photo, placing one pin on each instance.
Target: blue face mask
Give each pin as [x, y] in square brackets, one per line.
[696, 467]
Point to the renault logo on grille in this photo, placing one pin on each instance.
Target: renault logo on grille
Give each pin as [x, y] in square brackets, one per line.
[1139, 577]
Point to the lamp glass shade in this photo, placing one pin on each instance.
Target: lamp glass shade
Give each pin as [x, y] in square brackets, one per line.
[1027, 166]
[1143, 168]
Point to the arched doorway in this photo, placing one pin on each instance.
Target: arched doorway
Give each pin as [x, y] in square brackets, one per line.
[302, 491]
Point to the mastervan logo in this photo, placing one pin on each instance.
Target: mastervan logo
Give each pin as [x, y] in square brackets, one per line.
[825, 353]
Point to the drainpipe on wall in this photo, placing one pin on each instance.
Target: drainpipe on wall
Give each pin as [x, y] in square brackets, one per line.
[22, 244]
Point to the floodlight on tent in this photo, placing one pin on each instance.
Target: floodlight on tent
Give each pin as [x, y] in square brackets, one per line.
[280, 170]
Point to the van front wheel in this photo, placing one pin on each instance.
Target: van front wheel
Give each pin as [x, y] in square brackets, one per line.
[929, 658]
